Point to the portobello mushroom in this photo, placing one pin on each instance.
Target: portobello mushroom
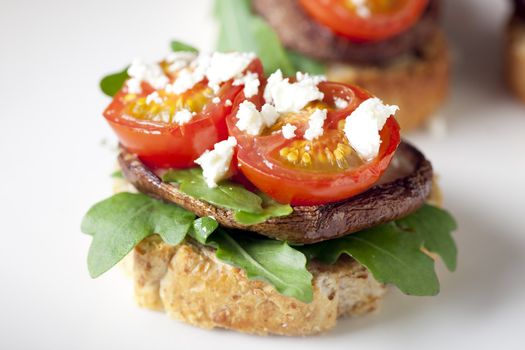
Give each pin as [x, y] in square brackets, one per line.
[403, 188]
[299, 32]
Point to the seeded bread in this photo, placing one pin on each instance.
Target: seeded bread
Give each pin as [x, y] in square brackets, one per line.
[418, 84]
[191, 285]
[515, 56]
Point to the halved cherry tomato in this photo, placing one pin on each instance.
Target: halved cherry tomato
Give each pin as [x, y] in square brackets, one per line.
[302, 172]
[161, 144]
[366, 20]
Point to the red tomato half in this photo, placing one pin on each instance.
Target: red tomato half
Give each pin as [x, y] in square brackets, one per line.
[302, 172]
[374, 20]
[167, 144]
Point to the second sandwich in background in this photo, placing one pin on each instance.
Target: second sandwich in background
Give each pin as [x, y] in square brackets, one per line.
[395, 49]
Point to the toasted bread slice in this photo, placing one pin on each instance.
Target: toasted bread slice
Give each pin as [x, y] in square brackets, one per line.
[191, 285]
[418, 84]
[515, 56]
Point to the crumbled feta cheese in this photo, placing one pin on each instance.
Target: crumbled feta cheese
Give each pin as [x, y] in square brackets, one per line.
[340, 103]
[216, 100]
[361, 9]
[315, 124]
[192, 73]
[269, 114]
[225, 66]
[288, 131]
[216, 163]
[151, 73]
[183, 116]
[251, 84]
[179, 60]
[134, 86]
[228, 103]
[154, 97]
[252, 121]
[291, 97]
[300, 76]
[363, 125]
[163, 116]
[274, 79]
[186, 79]
[249, 119]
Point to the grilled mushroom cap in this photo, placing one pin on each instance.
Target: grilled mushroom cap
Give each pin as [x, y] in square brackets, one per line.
[403, 188]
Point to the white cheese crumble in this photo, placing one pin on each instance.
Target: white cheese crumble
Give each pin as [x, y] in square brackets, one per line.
[340, 103]
[163, 116]
[291, 97]
[272, 81]
[249, 118]
[216, 100]
[179, 60]
[190, 74]
[315, 124]
[288, 131]
[269, 114]
[186, 79]
[252, 121]
[361, 9]
[225, 66]
[363, 125]
[183, 116]
[228, 103]
[134, 86]
[251, 84]
[154, 97]
[216, 163]
[151, 73]
[300, 76]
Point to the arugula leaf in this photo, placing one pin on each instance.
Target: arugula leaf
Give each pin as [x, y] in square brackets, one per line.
[226, 194]
[251, 208]
[112, 83]
[117, 174]
[120, 222]
[392, 252]
[268, 260]
[269, 48]
[241, 30]
[203, 228]
[306, 64]
[177, 46]
[434, 227]
[270, 208]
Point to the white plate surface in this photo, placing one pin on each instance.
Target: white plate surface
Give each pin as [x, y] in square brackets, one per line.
[57, 155]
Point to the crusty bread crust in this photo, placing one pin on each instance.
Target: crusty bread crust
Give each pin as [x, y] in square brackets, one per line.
[191, 285]
[515, 56]
[418, 85]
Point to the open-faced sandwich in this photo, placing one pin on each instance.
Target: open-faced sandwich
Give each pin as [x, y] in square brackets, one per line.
[263, 205]
[515, 50]
[395, 49]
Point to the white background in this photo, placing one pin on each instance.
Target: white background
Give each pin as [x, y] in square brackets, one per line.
[56, 157]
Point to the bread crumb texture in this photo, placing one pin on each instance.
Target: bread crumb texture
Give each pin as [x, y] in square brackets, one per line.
[191, 285]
